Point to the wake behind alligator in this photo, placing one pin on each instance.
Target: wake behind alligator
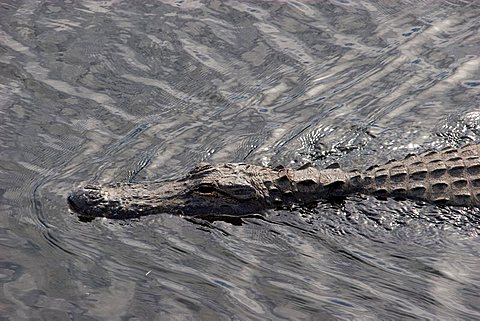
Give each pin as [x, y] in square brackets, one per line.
[448, 177]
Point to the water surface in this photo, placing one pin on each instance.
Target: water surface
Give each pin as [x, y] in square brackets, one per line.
[144, 90]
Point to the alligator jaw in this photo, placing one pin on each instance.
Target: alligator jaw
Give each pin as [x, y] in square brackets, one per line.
[202, 192]
[126, 201]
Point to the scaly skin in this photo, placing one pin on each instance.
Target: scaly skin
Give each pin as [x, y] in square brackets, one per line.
[450, 177]
[226, 189]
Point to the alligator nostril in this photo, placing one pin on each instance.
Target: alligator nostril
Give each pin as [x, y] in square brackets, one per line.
[75, 201]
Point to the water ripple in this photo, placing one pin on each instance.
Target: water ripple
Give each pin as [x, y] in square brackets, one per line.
[117, 91]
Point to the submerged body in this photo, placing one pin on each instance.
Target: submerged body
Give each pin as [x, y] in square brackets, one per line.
[450, 177]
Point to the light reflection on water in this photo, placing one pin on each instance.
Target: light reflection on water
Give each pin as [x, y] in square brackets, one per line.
[110, 91]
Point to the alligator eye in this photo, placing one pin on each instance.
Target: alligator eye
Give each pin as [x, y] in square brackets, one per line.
[206, 189]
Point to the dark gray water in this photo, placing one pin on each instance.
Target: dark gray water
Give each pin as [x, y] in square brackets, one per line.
[133, 90]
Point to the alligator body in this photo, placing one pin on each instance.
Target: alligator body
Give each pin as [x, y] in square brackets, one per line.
[449, 177]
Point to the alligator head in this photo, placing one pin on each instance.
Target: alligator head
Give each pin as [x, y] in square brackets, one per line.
[228, 189]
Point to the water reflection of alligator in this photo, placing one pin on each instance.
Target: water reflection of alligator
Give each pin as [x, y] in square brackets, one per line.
[450, 177]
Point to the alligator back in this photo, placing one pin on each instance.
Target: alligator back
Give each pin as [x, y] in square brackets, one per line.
[450, 177]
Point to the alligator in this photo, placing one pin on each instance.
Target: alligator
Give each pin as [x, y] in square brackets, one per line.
[447, 177]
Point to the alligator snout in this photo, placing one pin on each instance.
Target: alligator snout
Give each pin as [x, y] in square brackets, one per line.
[75, 202]
[84, 201]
